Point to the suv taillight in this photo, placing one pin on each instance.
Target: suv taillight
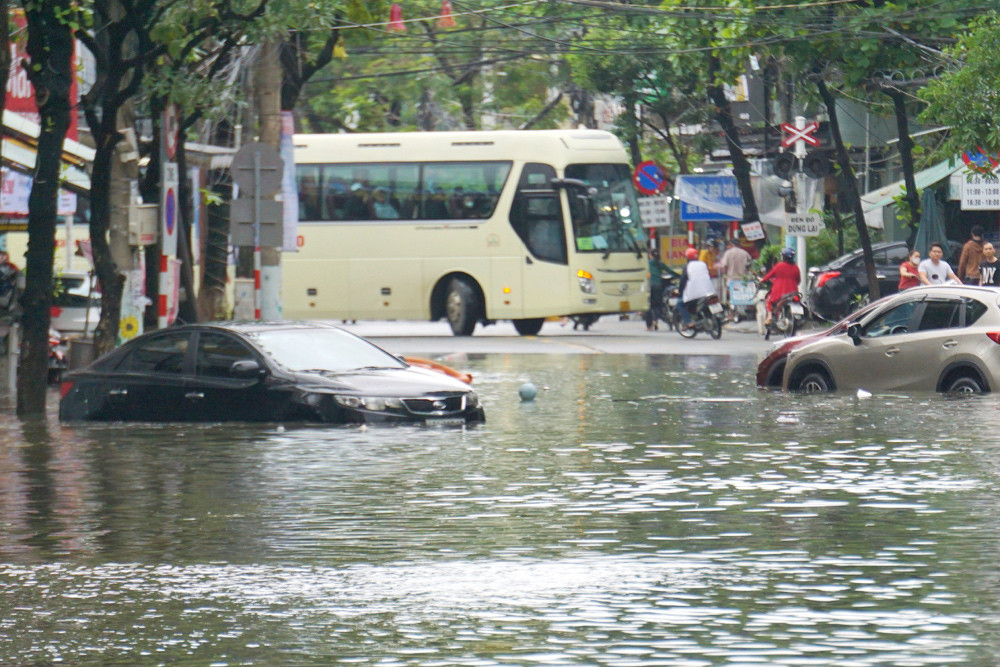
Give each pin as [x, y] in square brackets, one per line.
[64, 388]
[994, 336]
[824, 277]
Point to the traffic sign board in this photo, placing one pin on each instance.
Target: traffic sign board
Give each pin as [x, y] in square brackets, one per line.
[649, 178]
[170, 130]
[257, 165]
[796, 134]
[804, 224]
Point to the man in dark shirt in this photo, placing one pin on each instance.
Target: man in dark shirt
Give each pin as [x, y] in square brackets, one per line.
[989, 268]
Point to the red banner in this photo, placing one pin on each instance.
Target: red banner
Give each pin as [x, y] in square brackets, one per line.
[20, 97]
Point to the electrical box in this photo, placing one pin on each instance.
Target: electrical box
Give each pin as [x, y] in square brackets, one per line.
[143, 223]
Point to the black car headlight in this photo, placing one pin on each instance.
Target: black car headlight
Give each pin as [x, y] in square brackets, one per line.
[472, 400]
[373, 403]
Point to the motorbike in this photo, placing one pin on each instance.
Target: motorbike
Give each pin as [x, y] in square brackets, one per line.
[707, 316]
[787, 315]
[667, 311]
[57, 356]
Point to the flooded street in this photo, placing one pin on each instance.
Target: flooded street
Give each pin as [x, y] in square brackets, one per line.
[644, 509]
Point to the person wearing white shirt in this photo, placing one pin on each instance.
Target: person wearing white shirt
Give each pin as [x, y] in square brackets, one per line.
[696, 283]
[934, 270]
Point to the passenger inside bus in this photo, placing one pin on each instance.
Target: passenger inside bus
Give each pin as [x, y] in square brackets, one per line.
[383, 208]
[336, 200]
[309, 202]
[436, 205]
[359, 206]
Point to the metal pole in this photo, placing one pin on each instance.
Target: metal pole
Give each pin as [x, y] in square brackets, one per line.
[798, 243]
[256, 236]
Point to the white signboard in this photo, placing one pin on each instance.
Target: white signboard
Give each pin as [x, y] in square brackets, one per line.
[169, 187]
[15, 188]
[804, 224]
[754, 231]
[980, 193]
[654, 211]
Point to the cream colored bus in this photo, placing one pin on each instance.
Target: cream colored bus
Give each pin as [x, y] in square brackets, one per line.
[474, 227]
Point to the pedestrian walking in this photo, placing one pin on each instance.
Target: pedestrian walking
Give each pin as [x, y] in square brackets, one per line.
[732, 265]
[909, 271]
[971, 257]
[989, 268]
[934, 270]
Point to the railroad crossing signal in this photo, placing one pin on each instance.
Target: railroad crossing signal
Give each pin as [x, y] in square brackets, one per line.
[796, 134]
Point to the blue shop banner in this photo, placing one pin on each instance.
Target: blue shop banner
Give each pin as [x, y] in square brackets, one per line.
[709, 198]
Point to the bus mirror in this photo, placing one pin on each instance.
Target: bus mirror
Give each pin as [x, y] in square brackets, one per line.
[588, 190]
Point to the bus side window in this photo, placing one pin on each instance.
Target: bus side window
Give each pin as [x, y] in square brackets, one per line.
[309, 199]
[436, 205]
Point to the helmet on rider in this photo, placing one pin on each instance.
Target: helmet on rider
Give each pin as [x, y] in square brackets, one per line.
[788, 254]
[691, 253]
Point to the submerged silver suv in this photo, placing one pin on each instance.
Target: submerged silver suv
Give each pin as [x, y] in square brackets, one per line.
[941, 338]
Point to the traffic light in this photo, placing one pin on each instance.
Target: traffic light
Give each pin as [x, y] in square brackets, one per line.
[784, 164]
[816, 164]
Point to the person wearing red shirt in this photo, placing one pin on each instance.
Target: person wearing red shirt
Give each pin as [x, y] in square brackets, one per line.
[784, 277]
[909, 271]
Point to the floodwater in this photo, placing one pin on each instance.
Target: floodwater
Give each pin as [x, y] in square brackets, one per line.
[642, 510]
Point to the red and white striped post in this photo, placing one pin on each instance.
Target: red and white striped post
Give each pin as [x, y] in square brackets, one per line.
[168, 212]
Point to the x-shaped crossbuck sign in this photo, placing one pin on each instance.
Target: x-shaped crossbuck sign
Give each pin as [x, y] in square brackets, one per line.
[799, 134]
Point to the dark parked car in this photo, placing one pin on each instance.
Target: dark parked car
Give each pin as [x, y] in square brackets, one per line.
[838, 288]
[276, 371]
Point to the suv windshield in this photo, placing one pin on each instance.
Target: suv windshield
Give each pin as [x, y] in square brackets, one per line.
[608, 219]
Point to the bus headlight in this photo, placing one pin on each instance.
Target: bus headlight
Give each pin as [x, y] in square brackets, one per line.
[587, 284]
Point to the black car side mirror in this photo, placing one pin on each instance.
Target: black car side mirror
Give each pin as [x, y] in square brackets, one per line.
[854, 331]
[246, 368]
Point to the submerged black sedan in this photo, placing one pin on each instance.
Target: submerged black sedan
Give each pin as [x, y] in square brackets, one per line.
[262, 371]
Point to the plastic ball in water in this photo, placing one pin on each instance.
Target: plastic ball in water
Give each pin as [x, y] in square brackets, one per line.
[527, 392]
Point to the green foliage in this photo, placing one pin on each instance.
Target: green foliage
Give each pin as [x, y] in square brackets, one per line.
[967, 96]
[486, 72]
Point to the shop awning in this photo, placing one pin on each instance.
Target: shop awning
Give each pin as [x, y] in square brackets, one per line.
[873, 202]
[19, 146]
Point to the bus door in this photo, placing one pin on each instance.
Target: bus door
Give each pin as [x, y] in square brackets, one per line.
[536, 216]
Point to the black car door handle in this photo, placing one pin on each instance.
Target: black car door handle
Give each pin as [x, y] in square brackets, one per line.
[194, 395]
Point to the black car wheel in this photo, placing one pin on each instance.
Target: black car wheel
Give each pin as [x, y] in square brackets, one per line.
[815, 382]
[462, 306]
[964, 384]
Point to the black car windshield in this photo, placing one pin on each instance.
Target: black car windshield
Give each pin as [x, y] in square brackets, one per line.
[322, 350]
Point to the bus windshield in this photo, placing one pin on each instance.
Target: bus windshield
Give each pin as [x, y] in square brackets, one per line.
[606, 217]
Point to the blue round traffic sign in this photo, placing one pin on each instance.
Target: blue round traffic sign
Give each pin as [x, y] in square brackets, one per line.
[649, 178]
[171, 211]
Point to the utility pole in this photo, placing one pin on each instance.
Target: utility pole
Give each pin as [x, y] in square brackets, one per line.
[269, 116]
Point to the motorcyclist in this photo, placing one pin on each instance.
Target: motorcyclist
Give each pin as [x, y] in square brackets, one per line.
[784, 277]
[659, 274]
[9, 288]
[696, 283]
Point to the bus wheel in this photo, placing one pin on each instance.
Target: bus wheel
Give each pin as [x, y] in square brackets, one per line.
[462, 307]
[529, 327]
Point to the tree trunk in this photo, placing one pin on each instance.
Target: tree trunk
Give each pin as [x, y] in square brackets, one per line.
[741, 166]
[851, 185]
[187, 309]
[50, 47]
[906, 156]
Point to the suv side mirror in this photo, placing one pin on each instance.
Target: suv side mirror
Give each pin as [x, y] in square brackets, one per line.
[854, 332]
[246, 369]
